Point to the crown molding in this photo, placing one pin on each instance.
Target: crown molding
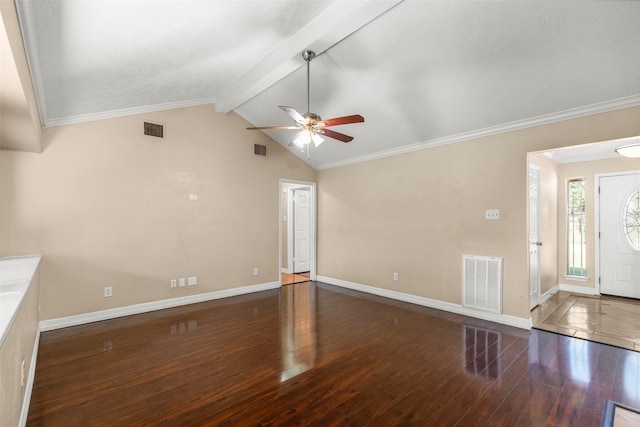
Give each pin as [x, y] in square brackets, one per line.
[70, 120]
[573, 113]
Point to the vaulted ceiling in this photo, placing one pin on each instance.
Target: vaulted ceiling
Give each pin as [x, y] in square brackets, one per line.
[422, 73]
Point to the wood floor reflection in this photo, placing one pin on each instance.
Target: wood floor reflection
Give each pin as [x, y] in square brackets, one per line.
[314, 354]
[289, 279]
[604, 319]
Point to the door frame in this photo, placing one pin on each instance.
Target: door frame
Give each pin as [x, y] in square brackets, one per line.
[596, 219]
[535, 167]
[312, 219]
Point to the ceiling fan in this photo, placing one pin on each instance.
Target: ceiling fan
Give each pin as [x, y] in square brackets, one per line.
[310, 125]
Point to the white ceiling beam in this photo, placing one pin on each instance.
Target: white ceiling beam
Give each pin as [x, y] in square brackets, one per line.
[335, 23]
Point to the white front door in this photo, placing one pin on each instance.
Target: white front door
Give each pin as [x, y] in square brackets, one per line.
[301, 229]
[534, 236]
[620, 235]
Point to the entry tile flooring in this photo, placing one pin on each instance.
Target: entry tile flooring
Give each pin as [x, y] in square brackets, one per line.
[604, 319]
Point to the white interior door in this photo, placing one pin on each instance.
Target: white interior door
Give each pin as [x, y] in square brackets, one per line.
[620, 235]
[301, 229]
[534, 236]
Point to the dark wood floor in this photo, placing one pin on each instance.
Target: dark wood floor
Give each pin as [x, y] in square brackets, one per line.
[313, 354]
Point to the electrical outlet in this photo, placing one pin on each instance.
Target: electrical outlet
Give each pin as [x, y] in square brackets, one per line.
[174, 283]
[492, 214]
[395, 277]
[182, 282]
[256, 271]
[192, 281]
[108, 291]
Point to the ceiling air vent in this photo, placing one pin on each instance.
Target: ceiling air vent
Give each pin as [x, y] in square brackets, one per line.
[154, 129]
[260, 150]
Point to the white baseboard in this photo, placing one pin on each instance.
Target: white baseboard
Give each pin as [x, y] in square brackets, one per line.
[28, 387]
[427, 302]
[577, 289]
[113, 313]
[567, 288]
[551, 292]
[285, 270]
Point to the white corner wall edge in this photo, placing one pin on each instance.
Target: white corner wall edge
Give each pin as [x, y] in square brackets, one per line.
[28, 387]
[427, 302]
[577, 289]
[113, 313]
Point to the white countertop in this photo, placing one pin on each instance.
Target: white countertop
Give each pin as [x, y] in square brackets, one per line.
[16, 274]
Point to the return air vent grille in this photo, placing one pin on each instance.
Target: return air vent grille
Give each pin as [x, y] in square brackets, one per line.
[482, 287]
[154, 129]
[260, 150]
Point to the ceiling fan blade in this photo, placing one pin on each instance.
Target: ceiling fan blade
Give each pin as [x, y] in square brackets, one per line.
[299, 118]
[335, 135]
[356, 118]
[272, 127]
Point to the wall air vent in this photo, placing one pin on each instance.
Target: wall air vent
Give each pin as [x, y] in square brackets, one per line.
[259, 150]
[154, 129]
[482, 283]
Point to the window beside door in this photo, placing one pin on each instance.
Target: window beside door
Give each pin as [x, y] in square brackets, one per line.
[576, 228]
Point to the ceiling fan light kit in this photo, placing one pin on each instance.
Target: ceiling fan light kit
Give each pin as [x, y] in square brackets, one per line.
[629, 150]
[311, 125]
[304, 137]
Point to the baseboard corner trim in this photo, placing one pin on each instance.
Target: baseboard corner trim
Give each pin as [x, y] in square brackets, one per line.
[504, 319]
[577, 289]
[114, 313]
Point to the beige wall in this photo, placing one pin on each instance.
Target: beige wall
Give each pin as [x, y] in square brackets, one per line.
[419, 212]
[586, 170]
[18, 346]
[107, 206]
[19, 118]
[548, 198]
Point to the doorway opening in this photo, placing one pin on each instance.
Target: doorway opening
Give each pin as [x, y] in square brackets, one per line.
[297, 231]
[590, 260]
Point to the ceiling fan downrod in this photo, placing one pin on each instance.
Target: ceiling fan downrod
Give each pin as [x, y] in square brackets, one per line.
[308, 55]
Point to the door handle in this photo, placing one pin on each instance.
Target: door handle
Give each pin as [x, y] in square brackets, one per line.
[538, 243]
